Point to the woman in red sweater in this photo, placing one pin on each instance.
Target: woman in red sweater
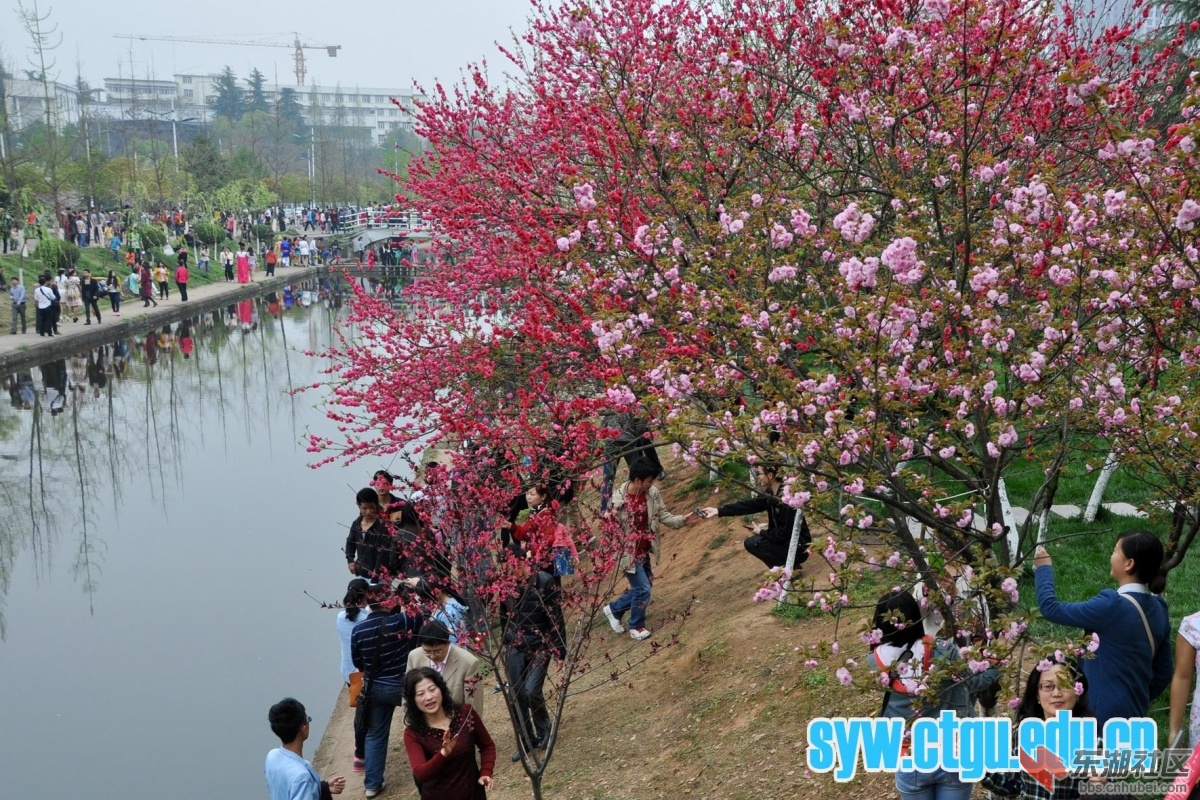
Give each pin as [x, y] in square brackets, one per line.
[440, 738]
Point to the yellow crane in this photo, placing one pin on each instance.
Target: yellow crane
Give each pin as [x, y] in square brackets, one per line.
[297, 46]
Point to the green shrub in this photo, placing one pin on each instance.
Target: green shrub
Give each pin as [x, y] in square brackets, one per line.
[152, 236]
[56, 254]
[264, 234]
[210, 233]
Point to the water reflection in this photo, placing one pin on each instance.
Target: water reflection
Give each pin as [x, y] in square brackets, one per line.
[159, 528]
[80, 432]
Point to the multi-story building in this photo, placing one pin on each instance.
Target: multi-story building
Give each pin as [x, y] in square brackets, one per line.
[25, 103]
[188, 96]
[139, 98]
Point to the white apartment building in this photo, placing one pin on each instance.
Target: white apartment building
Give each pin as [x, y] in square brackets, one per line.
[25, 103]
[187, 96]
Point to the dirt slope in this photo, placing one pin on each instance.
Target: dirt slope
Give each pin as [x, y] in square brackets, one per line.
[720, 715]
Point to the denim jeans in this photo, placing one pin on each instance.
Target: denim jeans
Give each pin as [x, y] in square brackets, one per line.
[637, 596]
[384, 699]
[936, 785]
[527, 674]
[606, 487]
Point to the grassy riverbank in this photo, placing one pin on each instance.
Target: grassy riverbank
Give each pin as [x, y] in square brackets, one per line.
[99, 260]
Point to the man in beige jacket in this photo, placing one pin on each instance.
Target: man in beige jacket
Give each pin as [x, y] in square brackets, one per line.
[458, 668]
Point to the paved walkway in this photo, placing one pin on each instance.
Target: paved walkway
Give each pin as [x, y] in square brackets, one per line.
[29, 348]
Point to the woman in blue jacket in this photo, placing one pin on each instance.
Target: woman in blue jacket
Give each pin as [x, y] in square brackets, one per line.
[1133, 662]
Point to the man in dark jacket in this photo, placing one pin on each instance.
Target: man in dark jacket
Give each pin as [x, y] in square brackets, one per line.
[770, 542]
[417, 553]
[634, 443]
[92, 292]
[379, 646]
[533, 632]
[370, 548]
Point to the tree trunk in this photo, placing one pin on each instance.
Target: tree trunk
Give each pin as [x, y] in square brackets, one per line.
[1093, 505]
[1012, 536]
[793, 546]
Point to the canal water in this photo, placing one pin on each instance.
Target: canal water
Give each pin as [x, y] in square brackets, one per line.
[163, 548]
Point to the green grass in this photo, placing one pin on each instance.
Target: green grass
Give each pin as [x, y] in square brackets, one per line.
[796, 613]
[816, 678]
[718, 541]
[1075, 484]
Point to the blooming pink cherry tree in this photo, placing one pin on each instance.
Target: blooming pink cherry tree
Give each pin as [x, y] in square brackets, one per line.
[903, 249]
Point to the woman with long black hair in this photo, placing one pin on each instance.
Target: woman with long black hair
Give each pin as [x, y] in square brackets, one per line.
[355, 610]
[441, 737]
[906, 655]
[1060, 687]
[112, 285]
[1133, 661]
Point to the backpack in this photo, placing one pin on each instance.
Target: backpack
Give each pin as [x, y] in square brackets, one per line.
[896, 683]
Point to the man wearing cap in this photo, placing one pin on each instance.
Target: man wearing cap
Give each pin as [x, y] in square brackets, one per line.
[458, 668]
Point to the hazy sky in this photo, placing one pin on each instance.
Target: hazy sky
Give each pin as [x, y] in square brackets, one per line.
[384, 44]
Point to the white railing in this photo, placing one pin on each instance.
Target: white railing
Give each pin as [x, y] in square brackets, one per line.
[399, 221]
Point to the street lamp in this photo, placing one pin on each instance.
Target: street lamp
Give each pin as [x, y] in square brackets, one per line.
[174, 131]
[312, 162]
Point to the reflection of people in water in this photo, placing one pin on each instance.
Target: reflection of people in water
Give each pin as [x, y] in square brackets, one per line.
[165, 340]
[245, 314]
[289, 297]
[186, 343]
[273, 304]
[120, 358]
[54, 378]
[20, 390]
[95, 369]
[151, 346]
[77, 373]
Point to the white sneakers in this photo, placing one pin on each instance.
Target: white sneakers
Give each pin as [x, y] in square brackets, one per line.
[613, 622]
[637, 634]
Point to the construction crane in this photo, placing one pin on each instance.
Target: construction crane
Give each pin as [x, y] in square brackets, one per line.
[298, 47]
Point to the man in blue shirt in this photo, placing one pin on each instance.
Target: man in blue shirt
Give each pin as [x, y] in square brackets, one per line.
[289, 776]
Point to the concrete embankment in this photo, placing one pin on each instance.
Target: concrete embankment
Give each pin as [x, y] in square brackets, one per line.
[21, 351]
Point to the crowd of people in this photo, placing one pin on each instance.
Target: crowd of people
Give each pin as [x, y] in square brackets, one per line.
[86, 373]
[410, 637]
[118, 232]
[73, 293]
